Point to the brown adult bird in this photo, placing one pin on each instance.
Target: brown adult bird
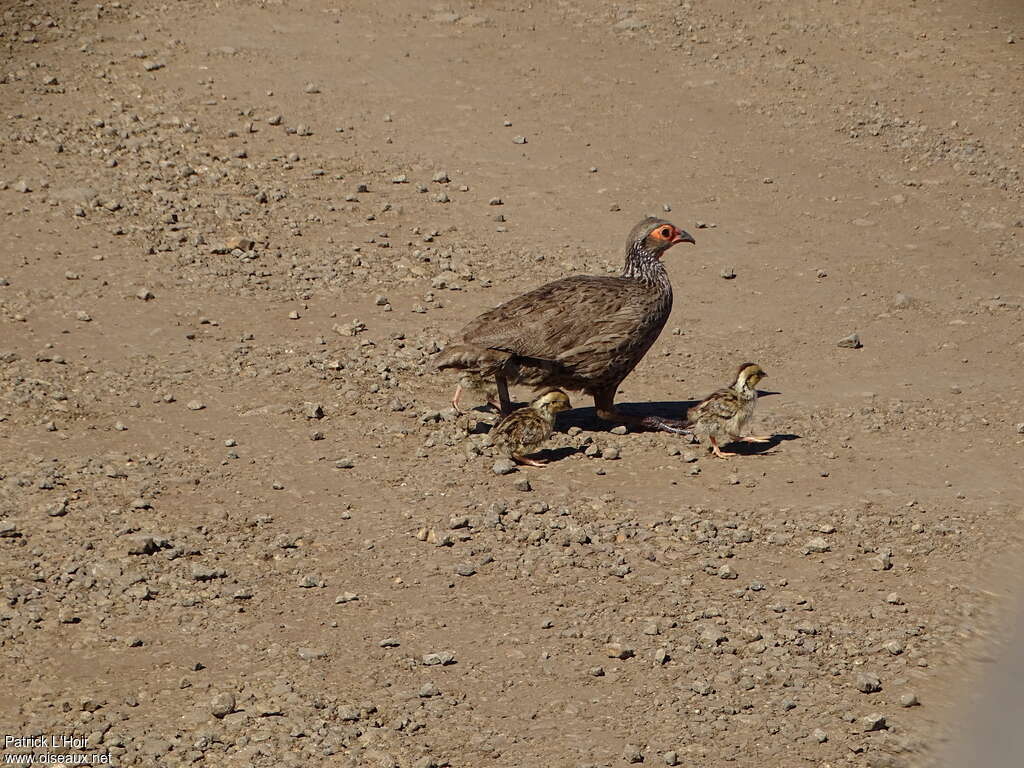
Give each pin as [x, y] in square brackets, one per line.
[583, 333]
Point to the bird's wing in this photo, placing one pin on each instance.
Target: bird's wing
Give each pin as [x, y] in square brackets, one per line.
[562, 320]
[723, 404]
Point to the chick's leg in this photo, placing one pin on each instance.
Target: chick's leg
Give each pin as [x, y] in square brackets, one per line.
[756, 439]
[718, 451]
[604, 404]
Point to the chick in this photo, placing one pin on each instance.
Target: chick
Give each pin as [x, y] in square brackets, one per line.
[477, 385]
[525, 429]
[722, 415]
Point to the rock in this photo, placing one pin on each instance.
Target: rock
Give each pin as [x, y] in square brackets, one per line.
[195, 405]
[817, 544]
[443, 658]
[670, 758]
[728, 273]
[503, 466]
[819, 736]
[203, 573]
[238, 243]
[465, 569]
[882, 561]
[850, 342]
[902, 301]
[346, 597]
[522, 484]
[909, 700]
[311, 654]
[519, 140]
[389, 642]
[223, 704]
[867, 682]
[145, 294]
[873, 722]
[428, 691]
[311, 88]
[632, 754]
[618, 651]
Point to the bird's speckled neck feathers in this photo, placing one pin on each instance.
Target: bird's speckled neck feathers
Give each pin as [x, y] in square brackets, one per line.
[643, 265]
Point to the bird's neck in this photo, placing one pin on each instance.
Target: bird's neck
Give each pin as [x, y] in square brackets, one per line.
[745, 391]
[646, 267]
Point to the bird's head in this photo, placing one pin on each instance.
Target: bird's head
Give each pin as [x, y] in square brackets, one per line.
[748, 375]
[655, 236]
[551, 402]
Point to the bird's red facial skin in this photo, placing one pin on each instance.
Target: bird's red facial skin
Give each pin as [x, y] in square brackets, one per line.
[665, 232]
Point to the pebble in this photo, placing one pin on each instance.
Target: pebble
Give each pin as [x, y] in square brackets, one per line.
[670, 758]
[850, 342]
[909, 700]
[311, 88]
[465, 569]
[632, 754]
[311, 654]
[444, 658]
[873, 722]
[195, 405]
[868, 682]
[819, 736]
[223, 704]
[619, 651]
[522, 484]
[503, 467]
[727, 273]
[818, 544]
[518, 139]
[145, 294]
[428, 690]
[389, 642]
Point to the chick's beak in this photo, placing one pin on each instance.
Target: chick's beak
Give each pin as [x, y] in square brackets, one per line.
[682, 236]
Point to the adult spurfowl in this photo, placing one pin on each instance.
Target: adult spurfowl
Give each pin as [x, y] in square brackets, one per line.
[583, 333]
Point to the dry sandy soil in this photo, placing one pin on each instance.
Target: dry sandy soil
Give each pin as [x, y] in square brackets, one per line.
[239, 522]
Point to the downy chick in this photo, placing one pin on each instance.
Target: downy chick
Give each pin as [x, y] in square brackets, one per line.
[526, 429]
[722, 415]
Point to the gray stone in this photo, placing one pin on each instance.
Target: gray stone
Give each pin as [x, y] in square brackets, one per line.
[503, 466]
[868, 682]
[222, 704]
[850, 342]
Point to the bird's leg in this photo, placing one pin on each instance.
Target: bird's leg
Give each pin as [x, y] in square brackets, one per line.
[455, 399]
[756, 439]
[718, 451]
[528, 461]
[506, 403]
[604, 404]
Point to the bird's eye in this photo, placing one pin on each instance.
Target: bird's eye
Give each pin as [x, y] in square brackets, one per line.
[665, 233]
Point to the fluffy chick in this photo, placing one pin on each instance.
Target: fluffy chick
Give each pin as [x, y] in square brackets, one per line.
[525, 429]
[477, 385]
[723, 414]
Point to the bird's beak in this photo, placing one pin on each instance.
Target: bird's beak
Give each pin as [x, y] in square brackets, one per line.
[682, 237]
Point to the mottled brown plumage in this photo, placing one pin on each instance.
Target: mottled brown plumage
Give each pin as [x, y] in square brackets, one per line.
[524, 430]
[722, 415]
[583, 333]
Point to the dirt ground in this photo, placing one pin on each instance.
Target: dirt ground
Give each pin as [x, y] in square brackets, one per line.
[240, 524]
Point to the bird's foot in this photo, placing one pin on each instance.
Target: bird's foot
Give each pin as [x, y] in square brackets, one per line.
[720, 453]
[756, 439]
[529, 462]
[659, 424]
